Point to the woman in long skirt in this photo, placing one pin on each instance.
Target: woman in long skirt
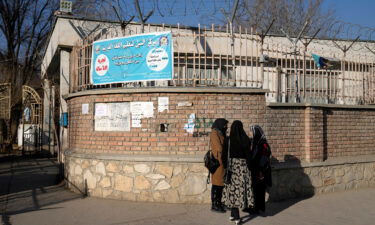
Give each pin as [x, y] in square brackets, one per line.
[237, 193]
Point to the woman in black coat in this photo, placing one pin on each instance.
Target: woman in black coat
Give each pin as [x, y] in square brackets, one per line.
[260, 166]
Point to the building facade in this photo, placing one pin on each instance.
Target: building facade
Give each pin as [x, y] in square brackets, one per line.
[319, 121]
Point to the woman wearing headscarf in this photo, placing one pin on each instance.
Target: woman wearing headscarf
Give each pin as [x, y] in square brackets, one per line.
[238, 193]
[217, 139]
[260, 167]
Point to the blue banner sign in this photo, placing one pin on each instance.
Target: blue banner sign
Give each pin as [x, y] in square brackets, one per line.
[133, 58]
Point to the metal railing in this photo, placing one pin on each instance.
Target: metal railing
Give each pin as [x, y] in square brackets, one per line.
[5, 100]
[215, 58]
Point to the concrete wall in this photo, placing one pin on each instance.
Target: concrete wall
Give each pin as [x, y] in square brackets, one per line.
[48, 137]
[64, 90]
[62, 35]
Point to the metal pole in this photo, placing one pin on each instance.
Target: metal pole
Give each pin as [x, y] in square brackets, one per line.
[262, 36]
[23, 133]
[50, 119]
[232, 51]
[136, 3]
[343, 76]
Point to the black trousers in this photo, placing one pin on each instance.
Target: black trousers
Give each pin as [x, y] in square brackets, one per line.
[259, 191]
[216, 194]
[235, 213]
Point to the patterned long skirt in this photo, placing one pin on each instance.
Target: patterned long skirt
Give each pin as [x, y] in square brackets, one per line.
[238, 194]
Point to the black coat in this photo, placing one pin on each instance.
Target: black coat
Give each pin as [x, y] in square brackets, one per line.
[260, 163]
[241, 151]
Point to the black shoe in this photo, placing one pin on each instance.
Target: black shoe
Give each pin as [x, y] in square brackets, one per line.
[247, 210]
[262, 213]
[222, 208]
[218, 209]
[251, 211]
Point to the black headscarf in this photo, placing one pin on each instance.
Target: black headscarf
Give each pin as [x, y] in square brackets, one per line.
[238, 135]
[220, 125]
[239, 143]
[261, 153]
[258, 135]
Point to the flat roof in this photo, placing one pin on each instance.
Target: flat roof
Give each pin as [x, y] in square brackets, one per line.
[67, 16]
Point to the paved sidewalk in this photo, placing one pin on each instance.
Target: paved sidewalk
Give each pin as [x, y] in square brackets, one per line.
[54, 205]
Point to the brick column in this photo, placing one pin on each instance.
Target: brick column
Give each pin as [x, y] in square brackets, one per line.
[314, 146]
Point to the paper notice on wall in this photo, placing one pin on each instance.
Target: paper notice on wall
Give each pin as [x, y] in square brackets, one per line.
[163, 104]
[101, 109]
[181, 104]
[189, 127]
[112, 116]
[85, 108]
[140, 110]
[136, 122]
[148, 109]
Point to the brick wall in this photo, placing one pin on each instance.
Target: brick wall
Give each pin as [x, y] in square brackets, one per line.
[295, 132]
[315, 134]
[285, 132]
[249, 108]
[349, 132]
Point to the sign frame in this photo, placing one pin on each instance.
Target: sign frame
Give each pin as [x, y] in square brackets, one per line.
[93, 60]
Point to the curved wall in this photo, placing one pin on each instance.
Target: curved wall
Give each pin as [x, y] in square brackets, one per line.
[148, 163]
[248, 106]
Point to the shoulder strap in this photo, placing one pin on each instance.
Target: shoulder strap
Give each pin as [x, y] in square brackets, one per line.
[229, 161]
[220, 143]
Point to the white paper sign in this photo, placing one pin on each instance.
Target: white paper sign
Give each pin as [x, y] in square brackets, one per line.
[101, 109]
[85, 108]
[181, 104]
[163, 104]
[189, 127]
[148, 109]
[140, 110]
[112, 116]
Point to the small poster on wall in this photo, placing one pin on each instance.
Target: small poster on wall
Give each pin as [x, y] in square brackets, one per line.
[85, 108]
[163, 104]
[112, 116]
[140, 110]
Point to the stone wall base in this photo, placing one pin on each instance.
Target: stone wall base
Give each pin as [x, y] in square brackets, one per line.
[296, 180]
[137, 180]
[182, 179]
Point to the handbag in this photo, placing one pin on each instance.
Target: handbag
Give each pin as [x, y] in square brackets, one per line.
[228, 171]
[210, 162]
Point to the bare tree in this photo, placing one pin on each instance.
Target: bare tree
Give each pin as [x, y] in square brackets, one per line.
[291, 15]
[95, 9]
[114, 10]
[24, 28]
